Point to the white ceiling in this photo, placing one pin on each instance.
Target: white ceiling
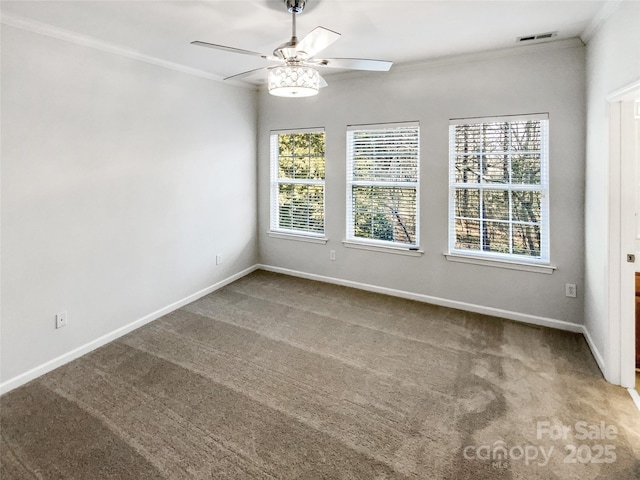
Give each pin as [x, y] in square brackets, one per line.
[403, 31]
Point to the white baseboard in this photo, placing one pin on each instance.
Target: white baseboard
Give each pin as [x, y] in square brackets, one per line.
[84, 349]
[594, 350]
[635, 397]
[510, 315]
[103, 340]
[443, 302]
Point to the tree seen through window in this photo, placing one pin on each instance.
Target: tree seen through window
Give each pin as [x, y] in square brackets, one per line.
[298, 172]
[498, 187]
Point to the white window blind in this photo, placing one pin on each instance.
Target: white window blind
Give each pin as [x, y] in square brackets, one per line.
[383, 184]
[499, 187]
[297, 182]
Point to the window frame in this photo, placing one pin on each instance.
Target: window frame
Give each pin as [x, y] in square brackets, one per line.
[507, 260]
[353, 241]
[275, 230]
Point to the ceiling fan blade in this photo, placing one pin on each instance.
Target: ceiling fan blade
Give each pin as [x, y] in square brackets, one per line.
[249, 72]
[354, 64]
[318, 39]
[230, 49]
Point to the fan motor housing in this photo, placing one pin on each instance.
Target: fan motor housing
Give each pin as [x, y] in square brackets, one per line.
[295, 6]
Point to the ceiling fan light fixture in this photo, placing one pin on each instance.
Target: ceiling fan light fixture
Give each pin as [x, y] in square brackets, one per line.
[295, 6]
[297, 76]
[293, 81]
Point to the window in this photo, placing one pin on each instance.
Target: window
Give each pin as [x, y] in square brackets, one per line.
[383, 184]
[297, 182]
[499, 188]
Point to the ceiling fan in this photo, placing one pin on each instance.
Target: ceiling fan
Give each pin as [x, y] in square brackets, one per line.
[297, 74]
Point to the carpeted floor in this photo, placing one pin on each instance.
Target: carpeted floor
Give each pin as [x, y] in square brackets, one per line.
[278, 377]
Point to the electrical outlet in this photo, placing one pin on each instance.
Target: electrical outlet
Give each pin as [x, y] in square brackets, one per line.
[61, 319]
[218, 259]
[570, 290]
[332, 254]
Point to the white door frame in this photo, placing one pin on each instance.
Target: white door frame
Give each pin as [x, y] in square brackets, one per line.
[620, 348]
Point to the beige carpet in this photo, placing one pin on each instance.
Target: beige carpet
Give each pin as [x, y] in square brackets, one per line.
[278, 377]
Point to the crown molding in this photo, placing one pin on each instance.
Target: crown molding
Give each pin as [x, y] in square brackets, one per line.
[87, 41]
[599, 19]
[493, 54]
[574, 42]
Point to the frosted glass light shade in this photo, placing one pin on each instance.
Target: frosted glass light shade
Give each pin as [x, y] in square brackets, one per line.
[293, 81]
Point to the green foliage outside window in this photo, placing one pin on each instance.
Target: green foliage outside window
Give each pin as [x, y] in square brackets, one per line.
[385, 213]
[301, 173]
[383, 183]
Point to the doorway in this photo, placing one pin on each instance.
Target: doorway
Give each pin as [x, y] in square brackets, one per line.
[624, 231]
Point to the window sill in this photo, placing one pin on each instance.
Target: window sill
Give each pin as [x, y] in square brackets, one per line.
[298, 238]
[383, 249]
[492, 262]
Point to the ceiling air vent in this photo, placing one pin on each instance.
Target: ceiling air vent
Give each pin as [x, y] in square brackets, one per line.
[537, 36]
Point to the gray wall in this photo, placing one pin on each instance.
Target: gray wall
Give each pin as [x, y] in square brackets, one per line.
[613, 62]
[544, 78]
[121, 181]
